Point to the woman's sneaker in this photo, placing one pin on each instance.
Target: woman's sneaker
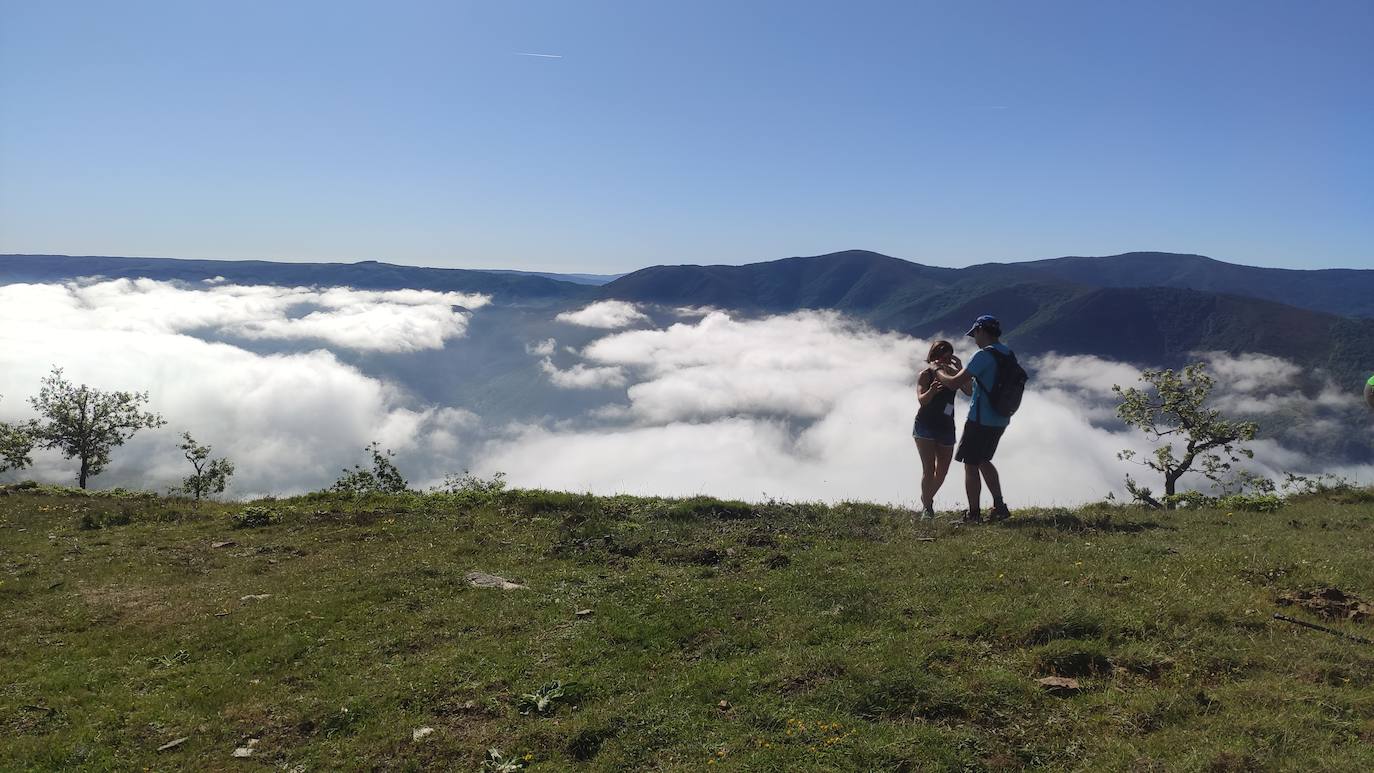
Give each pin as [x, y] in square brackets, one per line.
[928, 514]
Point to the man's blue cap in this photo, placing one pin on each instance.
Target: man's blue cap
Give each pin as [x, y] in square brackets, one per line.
[986, 322]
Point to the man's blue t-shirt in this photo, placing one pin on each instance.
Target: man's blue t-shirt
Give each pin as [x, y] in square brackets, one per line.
[984, 369]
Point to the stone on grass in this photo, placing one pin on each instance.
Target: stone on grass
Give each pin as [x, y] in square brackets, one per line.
[225, 544]
[420, 732]
[1059, 685]
[174, 743]
[484, 580]
[255, 597]
[247, 749]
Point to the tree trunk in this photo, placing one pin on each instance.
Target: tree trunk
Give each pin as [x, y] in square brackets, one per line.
[1170, 486]
[85, 471]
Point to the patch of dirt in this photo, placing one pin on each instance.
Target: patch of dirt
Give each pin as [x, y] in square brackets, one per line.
[1329, 603]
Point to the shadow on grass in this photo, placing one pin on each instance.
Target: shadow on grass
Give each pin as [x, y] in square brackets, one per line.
[1069, 522]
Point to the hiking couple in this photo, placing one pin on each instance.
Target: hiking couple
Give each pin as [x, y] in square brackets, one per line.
[995, 382]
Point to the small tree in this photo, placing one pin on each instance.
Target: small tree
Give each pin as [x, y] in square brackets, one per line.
[210, 476]
[383, 478]
[85, 423]
[1172, 407]
[16, 443]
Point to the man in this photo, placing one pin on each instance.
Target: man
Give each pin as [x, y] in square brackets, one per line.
[984, 426]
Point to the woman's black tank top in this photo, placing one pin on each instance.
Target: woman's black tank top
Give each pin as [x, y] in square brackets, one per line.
[940, 410]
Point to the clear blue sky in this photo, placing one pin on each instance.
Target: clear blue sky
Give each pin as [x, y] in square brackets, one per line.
[703, 132]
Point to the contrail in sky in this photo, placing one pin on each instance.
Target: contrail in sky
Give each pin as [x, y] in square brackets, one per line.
[542, 56]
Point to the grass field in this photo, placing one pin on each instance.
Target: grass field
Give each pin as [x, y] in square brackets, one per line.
[686, 635]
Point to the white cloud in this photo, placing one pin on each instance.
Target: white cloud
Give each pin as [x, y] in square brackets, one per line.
[812, 405]
[795, 365]
[1084, 373]
[395, 320]
[544, 348]
[580, 376]
[608, 315]
[1250, 372]
[289, 422]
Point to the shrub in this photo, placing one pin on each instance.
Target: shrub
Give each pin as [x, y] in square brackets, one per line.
[1251, 503]
[383, 478]
[95, 521]
[254, 517]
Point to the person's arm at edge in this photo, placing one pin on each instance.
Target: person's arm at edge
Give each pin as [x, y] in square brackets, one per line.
[962, 380]
[958, 365]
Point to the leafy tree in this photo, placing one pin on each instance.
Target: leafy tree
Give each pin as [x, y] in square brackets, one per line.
[16, 443]
[85, 423]
[1172, 409]
[383, 478]
[210, 476]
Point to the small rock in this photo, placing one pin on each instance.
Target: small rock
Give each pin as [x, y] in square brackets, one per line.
[484, 580]
[255, 597]
[174, 744]
[225, 544]
[1059, 684]
[247, 749]
[723, 705]
[583, 612]
[420, 732]
[469, 705]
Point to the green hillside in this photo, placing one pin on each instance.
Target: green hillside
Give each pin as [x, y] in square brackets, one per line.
[687, 635]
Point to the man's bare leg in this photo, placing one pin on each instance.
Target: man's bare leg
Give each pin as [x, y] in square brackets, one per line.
[994, 481]
[973, 486]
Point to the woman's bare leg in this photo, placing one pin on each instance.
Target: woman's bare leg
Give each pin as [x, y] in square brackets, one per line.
[929, 451]
[943, 456]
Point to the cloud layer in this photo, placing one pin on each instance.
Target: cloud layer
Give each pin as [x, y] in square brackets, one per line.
[367, 320]
[810, 405]
[290, 422]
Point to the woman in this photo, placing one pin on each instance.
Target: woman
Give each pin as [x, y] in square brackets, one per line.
[934, 428]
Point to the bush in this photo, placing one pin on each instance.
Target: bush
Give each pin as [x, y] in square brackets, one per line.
[254, 517]
[383, 478]
[1251, 503]
[95, 521]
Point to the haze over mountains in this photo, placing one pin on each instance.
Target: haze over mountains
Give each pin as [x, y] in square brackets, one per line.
[1148, 308]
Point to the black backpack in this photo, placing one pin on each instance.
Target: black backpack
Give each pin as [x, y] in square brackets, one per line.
[1009, 384]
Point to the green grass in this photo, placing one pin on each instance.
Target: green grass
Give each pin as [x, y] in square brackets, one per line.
[837, 638]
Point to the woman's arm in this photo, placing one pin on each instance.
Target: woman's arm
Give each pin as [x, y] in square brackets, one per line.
[927, 387]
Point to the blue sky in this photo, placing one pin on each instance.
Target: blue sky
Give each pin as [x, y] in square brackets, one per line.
[701, 132]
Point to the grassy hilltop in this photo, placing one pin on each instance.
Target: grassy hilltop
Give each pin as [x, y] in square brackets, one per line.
[686, 634]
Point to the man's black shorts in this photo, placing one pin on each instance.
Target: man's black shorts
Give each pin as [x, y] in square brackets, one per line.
[978, 444]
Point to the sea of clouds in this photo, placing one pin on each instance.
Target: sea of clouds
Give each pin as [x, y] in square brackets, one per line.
[291, 383]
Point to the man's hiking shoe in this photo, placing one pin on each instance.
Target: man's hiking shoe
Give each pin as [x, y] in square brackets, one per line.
[999, 513]
[970, 518]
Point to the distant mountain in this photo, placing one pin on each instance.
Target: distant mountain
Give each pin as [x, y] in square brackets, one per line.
[366, 275]
[1148, 308]
[1343, 291]
[581, 279]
